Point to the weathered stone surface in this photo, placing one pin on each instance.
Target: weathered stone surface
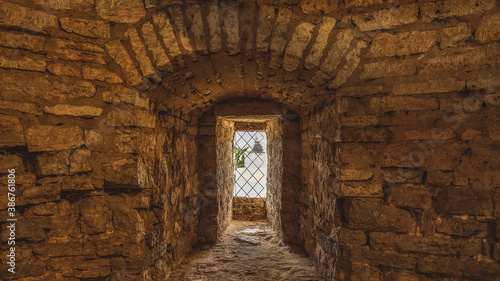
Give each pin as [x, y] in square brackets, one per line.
[353, 59]
[78, 5]
[355, 175]
[21, 17]
[121, 171]
[464, 201]
[64, 69]
[264, 27]
[405, 154]
[279, 36]
[385, 104]
[456, 59]
[77, 183]
[430, 245]
[489, 29]
[325, 28]
[383, 258]
[230, 27]
[440, 10]
[213, 21]
[161, 60]
[125, 95]
[127, 117]
[180, 27]
[10, 162]
[49, 138]
[74, 110]
[53, 164]
[365, 3]
[452, 266]
[364, 135]
[127, 11]
[295, 48]
[411, 196]
[359, 121]
[372, 214]
[469, 134]
[254, 241]
[193, 13]
[338, 50]
[79, 161]
[388, 68]
[360, 91]
[432, 86]
[401, 44]
[360, 189]
[101, 74]
[16, 40]
[84, 27]
[451, 36]
[465, 227]
[47, 190]
[318, 6]
[64, 49]
[121, 57]
[432, 134]
[58, 249]
[166, 31]
[386, 19]
[145, 65]
[492, 100]
[24, 63]
[12, 132]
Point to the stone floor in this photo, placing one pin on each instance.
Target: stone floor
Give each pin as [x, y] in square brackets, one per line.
[247, 251]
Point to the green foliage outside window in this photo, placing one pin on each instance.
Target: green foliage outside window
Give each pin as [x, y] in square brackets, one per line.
[239, 157]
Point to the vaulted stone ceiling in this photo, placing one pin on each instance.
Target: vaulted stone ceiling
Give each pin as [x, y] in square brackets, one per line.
[191, 54]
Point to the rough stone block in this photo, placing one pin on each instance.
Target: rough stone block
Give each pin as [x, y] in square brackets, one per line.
[359, 121]
[432, 134]
[432, 86]
[78, 5]
[58, 249]
[79, 161]
[193, 13]
[453, 8]
[264, 27]
[141, 55]
[180, 27]
[121, 172]
[360, 189]
[410, 196]
[63, 69]
[129, 117]
[11, 162]
[121, 57]
[230, 26]
[451, 36]
[406, 154]
[388, 68]
[161, 60]
[77, 183]
[489, 29]
[455, 59]
[25, 107]
[12, 132]
[49, 138]
[325, 28]
[11, 39]
[385, 104]
[295, 48]
[386, 19]
[383, 258]
[84, 27]
[364, 135]
[53, 164]
[464, 227]
[73, 110]
[166, 31]
[318, 6]
[21, 17]
[46, 190]
[492, 100]
[126, 11]
[355, 175]
[101, 74]
[125, 95]
[365, 3]
[213, 20]
[401, 44]
[464, 201]
[24, 63]
[63, 49]
[372, 214]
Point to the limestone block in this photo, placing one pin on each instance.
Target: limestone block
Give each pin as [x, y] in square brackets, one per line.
[383, 258]
[492, 100]
[124, 11]
[64, 69]
[53, 164]
[360, 189]
[446, 155]
[365, 3]
[264, 27]
[295, 48]
[385, 104]
[401, 44]
[432, 86]
[193, 13]
[78, 5]
[360, 91]
[178, 22]
[318, 6]
[359, 121]
[166, 31]
[77, 183]
[338, 50]
[64, 49]
[121, 171]
[161, 60]
[128, 117]
[451, 36]
[386, 19]
[325, 28]
[125, 95]
[74, 110]
[388, 68]
[84, 27]
[101, 74]
[489, 29]
[121, 57]
[145, 65]
[355, 175]
[231, 29]
[453, 8]
[456, 59]
[410, 196]
[16, 40]
[21, 17]
[79, 161]
[372, 214]
[280, 30]
[432, 134]
[464, 201]
[58, 249]
[213, 21]
[24, 63]
[353, 59]
[50, 138]
[11, 162]
[12, 132]
[46, 190]
[364, 135]
[464, 227]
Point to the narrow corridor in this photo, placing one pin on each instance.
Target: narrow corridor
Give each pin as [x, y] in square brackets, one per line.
[262, 257]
